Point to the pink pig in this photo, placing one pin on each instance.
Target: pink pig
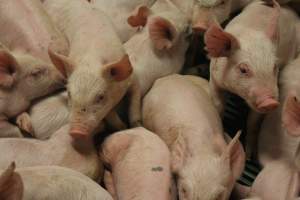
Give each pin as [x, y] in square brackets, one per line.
[98, 70]
[179, 109]
[246, 57]
[26, 72]
[139, 165]
[159, 48]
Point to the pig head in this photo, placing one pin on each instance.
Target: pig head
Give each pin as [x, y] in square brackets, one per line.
[215, 176]
[139, 163]
[246, 64]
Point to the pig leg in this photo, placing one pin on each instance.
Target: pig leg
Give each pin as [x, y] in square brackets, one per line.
[9, 130]
[24, 123]
[135, 95]
[115, 121]
[109, 184]
[253, 126]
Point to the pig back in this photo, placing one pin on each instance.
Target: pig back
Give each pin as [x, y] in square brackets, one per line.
[26, 27]
[175, 102]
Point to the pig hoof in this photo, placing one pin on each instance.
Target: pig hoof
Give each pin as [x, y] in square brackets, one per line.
[24, 123]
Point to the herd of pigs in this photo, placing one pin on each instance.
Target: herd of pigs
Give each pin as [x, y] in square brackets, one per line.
[92, 104]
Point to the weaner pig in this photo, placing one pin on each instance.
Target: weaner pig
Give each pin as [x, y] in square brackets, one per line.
[59, 150]
[26, 71]
[159, 48]
[98, 70]
[139, 165]
[48, 183]
[180, 110]
[246, 57]
[119, 11]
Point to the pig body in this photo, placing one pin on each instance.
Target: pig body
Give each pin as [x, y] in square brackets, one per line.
[250, 52]
[194, 135]
[98, 76]
[139, 165]
[26, 72]
[48, 115]
[119, 11]
[48, 182]
[58, 150]
[277, 135]
[151, 61]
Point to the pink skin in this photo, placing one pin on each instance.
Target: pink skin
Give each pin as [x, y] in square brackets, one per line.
[112, 9]
[206, 166]
[41, 183]
[291, 115]
[98, 77]
[60, 150]
[139, 165]
[250, 75]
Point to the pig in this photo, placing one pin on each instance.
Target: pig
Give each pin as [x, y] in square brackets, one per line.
[119, 11]
[138, 165]
[159, 48]
[204, 12]
[277, 137]
[49, 114]
[279, 180]
[247, 55]
[180, 110]
[26, 70]
[98, 76]
[48, 182]
[60, 149]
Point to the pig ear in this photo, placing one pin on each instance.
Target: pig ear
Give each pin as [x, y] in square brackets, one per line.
[61, 62]
[178, 154]
[139, 17]
[219, 43]
[119, 71]
[272, 28]
[291, 115]
[11, 184]
[8, 66]
[162, 33]
[234, 153]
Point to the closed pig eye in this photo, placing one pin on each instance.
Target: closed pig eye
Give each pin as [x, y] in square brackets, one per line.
[244, 70]
[37, 73]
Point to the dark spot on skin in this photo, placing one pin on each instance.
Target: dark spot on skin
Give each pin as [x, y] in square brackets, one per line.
[157, 169]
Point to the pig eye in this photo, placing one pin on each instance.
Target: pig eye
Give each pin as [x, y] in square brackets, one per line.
[37, 73]
[244, 70]
[222, 2]
[99, 98]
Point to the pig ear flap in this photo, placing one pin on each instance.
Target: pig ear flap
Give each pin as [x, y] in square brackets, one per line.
[291, 115]
[61, 62]
[162, 33]
[219, 43]
[11, 184]
[119, 71]
[8, 66]
[235, 155]
[272, 29]
[178, 154]
[139, 17]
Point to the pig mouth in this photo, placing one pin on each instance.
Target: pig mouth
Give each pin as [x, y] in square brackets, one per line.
[291, 116]
[266, 105]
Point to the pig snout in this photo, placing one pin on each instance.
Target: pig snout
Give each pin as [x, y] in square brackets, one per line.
[79, 131]
[264, 100]
[267, 104]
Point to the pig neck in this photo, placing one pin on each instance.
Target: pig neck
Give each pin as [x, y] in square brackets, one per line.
[200, 143]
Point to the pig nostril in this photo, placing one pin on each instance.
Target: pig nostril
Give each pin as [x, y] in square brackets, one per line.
[83, 110]
[295, 99]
